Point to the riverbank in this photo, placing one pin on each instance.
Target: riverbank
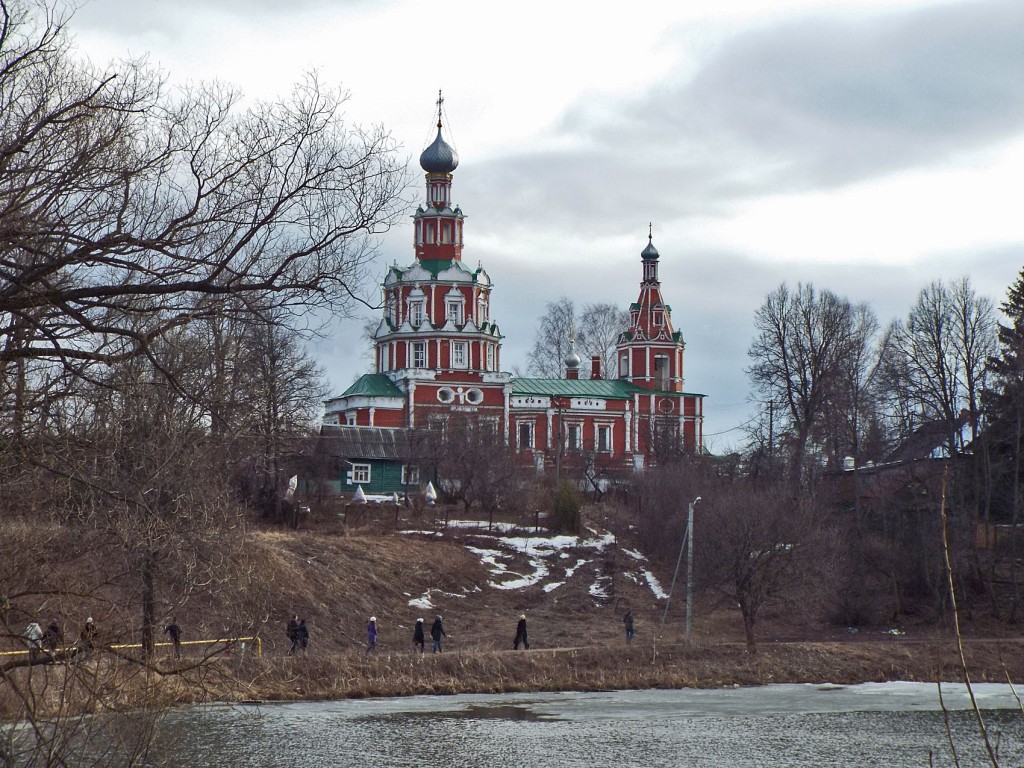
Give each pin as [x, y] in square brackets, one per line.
[650, 665]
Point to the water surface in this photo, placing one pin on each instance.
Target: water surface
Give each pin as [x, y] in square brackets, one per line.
[887, 724]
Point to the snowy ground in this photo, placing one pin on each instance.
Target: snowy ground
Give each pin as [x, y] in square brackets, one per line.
[551, 560]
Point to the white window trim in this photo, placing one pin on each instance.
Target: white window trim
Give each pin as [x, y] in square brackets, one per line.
[410, 475]
[533, 435]
[577, 443]
[417, 312]
[464, 348]
[360, 474]
[597, 437]
[413, 347]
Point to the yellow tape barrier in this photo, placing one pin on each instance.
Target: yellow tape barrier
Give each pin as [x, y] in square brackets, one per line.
[230, 641]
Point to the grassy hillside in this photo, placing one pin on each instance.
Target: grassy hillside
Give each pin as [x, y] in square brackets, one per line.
[574, 590]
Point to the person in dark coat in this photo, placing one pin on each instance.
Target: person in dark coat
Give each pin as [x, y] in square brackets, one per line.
[521, 634]
[52, 636]
[371, 635]
[174, 632]
[293, 633]
[87, 635]
[436, 633]
[302, 636]
[417, 635]
[627, 620]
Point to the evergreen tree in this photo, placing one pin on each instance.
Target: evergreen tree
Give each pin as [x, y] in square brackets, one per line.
[1004, 408]
[998, 450]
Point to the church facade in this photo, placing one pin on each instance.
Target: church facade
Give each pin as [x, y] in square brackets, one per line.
[438, 353]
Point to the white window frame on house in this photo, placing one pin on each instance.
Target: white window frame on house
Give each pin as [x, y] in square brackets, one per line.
[410, 474]
[460, 354]
[525, 428]
[481, 310]
[624, 366]
[417, 312]
[455, 312]
[418, 354]
[605, 429]
[574, 436]
[360, 474]
[350, 419]
[490, 357]
[488, 425]
[659, 317]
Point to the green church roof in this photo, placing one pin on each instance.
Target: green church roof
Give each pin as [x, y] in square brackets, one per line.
[373, 385]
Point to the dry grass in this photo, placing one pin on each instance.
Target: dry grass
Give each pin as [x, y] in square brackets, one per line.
[643, 665]
[337, 578]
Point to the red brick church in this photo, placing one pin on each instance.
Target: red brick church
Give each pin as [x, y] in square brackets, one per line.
[438, 352]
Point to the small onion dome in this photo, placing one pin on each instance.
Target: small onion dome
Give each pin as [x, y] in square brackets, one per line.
[572, 360]
[650, 253]
[439, 157]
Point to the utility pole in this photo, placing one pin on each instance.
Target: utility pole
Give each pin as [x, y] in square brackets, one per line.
[689, 564]
[687, 540]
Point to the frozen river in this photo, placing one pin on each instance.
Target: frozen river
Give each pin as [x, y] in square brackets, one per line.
[885, 724]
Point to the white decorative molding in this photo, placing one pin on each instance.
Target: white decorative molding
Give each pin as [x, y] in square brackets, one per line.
[530, 401]
[588, 404]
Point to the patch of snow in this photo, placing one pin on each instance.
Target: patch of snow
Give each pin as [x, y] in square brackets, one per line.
[490, 557]
[570, 571]
[553, 586]
[634, 554]
[481, 525]
[539, 572]
[655, 585]
[599, 590]
[425, 602]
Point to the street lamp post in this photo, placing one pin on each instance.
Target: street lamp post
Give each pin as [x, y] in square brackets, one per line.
[689, 563]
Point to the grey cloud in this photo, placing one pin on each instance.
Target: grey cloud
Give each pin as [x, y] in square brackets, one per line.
[814, 103]
[138, 17]
[835, 102]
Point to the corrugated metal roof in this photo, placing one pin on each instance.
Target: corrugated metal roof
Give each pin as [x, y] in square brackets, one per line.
[373, 385]
[367, 442]
[606, 388]
[614, 389]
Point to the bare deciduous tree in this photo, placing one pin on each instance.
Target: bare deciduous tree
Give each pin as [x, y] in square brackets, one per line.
[551, 343]
[128, 209]
[757, 546]
[935, 359]
[602, 325]
[804, 340]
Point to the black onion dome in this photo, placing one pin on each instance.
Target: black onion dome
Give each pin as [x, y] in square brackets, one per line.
[439, 157]
[650, 253]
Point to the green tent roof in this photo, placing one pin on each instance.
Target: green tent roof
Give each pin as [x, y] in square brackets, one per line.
[373, 385]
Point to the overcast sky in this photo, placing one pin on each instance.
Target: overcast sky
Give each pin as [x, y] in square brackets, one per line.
[869, 147]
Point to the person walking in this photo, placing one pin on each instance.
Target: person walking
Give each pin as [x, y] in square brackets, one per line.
[293, 634]
[34, 640]
[174, 631]
[521, 637]
[417, 636]
[53, 636]
[87, 636]
[371, 634]
[627, 620]
[437, 632]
